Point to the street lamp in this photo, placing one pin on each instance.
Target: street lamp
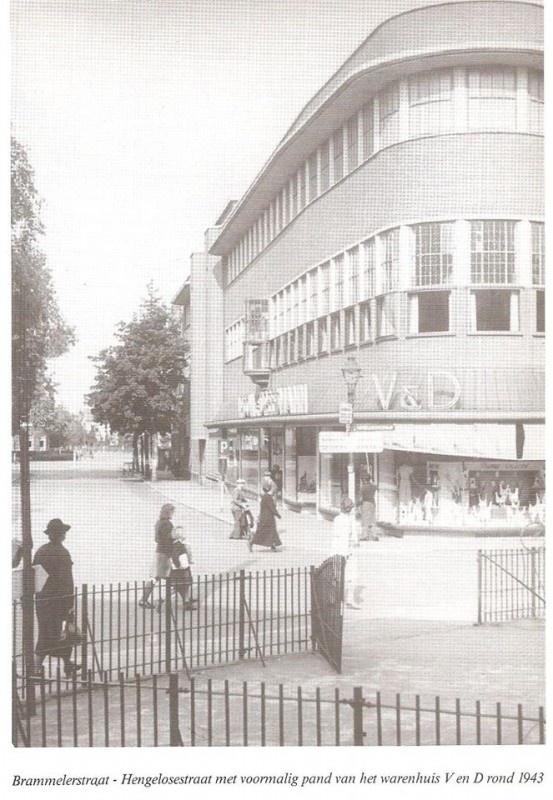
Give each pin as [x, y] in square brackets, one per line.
[351, 372]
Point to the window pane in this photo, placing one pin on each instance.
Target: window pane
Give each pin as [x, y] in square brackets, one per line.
[353, 142]
[349, 321]
[338, 142]
[338, 282]
[386, 318]
[325, 166]
[335, 332]
[312, 169]
[365, 322]
[368, 130]
[369, 268]
[433, 253]
[389, 115]
[538, 253]
[323, 336]
[492, 251]
[353, 275]
[390, 263]
[433, 308]
[540, 312]
[492, 98]
[493, 310]
[324, 297]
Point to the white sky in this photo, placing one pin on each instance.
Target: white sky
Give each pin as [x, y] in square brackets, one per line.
[142, 118]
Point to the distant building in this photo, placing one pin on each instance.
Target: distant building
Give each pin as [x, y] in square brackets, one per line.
[400, 222]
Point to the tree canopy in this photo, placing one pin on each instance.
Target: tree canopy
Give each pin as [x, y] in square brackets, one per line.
[39, 331]
[139, 380]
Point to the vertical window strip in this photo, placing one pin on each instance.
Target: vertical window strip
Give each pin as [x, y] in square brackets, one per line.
[538, 253]
[368, 130]
[353, 275]
[390, 260]
[338, 282]
[492, 251]
[433, 253]
[352, 127]
[325, 166]
[369, 268]
[312, 176]
[338, 143]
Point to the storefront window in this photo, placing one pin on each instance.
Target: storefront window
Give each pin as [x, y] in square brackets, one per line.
[306, 448]
[233, 456]
[322, 336]
[264, 450]
[290, 473]
[249, 439]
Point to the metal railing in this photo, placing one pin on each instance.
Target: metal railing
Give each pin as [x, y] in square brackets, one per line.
[511, 584]
[236, 616]
[171, 710]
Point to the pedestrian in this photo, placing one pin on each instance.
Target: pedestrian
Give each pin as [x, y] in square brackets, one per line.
[346, 543]
[277, 477]
[266, 532]
[368, 508]
[181, 576]
[54, 602]
[238, 508]
[163, 534]
[269, 483]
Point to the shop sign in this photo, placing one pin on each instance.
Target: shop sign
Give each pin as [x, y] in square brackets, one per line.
[345, 414]
[502, 466]
[414, 396]
[274, 403]
[353, 442]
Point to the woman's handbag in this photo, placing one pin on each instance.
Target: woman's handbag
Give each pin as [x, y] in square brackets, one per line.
[71, 634]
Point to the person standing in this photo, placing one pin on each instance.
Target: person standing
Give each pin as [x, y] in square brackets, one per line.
[346, 543]
[266, 532]
[163, 534]
[269, 483]
[54, 603]
[238, 508]
[368, 508]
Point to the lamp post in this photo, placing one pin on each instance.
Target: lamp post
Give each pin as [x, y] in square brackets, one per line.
[351, 372]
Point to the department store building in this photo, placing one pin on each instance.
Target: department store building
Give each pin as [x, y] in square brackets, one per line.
[398, 226]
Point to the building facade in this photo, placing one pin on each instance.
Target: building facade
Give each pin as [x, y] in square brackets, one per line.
[399, 223]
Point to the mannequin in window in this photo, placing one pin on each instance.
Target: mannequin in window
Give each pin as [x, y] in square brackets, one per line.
[405, 489]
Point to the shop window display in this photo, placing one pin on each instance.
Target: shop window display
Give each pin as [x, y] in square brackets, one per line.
[306, 448]
[249, 441]
[290, 491]
[470, 494]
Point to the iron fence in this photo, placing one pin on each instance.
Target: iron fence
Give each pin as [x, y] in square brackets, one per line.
[511, 584]
[171, 710]
[236, 616]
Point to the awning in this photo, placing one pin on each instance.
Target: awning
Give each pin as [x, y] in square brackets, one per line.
[477, 440]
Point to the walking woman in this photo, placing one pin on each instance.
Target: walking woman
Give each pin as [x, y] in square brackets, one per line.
[164, 551]
[266, 532]
[55, 601]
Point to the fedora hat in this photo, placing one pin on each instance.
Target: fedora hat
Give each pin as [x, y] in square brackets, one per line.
[57, 526]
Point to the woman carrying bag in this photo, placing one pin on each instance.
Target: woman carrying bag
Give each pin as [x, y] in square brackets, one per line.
[54, 602]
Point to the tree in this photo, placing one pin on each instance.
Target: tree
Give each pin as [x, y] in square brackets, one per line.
[139, 380]
[39, 331]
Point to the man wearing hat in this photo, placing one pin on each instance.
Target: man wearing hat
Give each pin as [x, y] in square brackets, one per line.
[55, 600]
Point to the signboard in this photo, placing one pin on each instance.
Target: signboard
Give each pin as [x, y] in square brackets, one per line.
[353, 442]
[345, 414]
[283, 400]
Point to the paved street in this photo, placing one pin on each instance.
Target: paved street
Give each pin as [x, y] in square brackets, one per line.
[413, 633]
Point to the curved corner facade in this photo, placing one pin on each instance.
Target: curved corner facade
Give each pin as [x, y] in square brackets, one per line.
[398, 227]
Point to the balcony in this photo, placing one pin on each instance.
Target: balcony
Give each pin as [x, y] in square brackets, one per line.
[256, 362]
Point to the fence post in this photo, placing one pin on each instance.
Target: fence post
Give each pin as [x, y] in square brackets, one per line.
[84, 630]
[358, 734]
[167, 625]
[242, 614]
[533, 580]
[479, 587]
[314, 625]
[174, 732]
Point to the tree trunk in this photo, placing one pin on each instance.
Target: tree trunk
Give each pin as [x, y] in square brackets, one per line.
[135, 464]
[142, 454]
[148, 469]
[27, 599]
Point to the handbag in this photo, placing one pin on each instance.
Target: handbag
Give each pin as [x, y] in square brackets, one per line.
[178, 548]
[71, 634]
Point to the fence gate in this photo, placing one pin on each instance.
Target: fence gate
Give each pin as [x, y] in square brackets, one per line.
[511, 584]
[327, 604]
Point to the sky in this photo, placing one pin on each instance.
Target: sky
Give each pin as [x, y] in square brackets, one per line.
[142, 118]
